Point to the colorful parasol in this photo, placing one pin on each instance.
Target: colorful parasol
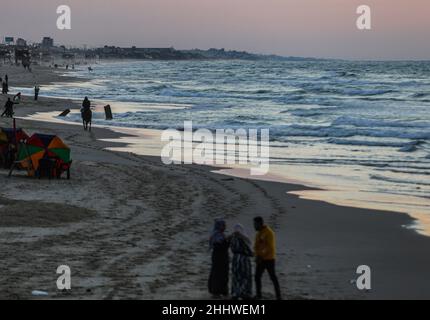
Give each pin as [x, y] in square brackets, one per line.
[40, 146]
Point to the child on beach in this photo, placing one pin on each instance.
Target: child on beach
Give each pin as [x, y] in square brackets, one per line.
[17, 98]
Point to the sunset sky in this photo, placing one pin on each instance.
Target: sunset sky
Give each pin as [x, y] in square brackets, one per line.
[317, 28]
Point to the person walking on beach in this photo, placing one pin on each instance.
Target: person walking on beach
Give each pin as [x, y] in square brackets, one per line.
[6, 78]
[265, 252]
[8, 109]
[5, 87]
[36, 92]
[240, 245]
[218, 279]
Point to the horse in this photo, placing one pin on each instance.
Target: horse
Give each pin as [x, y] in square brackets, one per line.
[87, 116]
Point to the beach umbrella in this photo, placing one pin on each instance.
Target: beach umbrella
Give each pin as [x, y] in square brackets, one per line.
[40, 146]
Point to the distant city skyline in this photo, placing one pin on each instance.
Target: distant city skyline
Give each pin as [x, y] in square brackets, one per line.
[306, 28]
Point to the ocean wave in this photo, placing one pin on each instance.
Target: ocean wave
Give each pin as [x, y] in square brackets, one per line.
[336, 132]
[403, 147]
[365, 92]
[395, 180]
[420, 95]
[305, 113]
[371, 123]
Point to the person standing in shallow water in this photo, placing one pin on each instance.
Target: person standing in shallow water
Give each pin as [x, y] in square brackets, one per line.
[219, 244]
[240, 245]
[36, 92]
[265, 252]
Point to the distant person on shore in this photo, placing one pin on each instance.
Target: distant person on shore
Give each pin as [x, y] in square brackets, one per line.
[90, 69]
[8, 109]
[67, 67]
[240, 245]
[6, 78]
[265, 252]
[218, 279]
[5, 88]
[36, 92]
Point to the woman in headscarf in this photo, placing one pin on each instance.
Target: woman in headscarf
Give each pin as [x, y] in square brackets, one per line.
[240, 245]
[218, 279]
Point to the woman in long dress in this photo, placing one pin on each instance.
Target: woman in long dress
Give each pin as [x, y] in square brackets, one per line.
[240, 245]
[218, 279]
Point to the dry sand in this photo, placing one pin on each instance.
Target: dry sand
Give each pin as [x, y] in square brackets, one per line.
[132, 228]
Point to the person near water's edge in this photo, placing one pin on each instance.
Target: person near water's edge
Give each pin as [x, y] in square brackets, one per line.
[5, 87]
[36, 92]
[265, 252]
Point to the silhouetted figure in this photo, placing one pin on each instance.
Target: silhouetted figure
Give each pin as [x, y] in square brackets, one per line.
[86, 114]
[6, 78]
[218, 279]
[265, 252]
[5, 88]
[36, 93]
[8, 109]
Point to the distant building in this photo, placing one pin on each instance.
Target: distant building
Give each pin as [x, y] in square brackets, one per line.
[47, 42]
[21, 42]
[9, 40]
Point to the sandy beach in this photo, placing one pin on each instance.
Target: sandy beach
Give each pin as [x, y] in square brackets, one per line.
[131, 227]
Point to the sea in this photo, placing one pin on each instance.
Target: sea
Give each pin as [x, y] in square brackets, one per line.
[360, 131]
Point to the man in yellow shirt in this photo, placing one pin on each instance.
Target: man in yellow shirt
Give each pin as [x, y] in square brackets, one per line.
[265, 252]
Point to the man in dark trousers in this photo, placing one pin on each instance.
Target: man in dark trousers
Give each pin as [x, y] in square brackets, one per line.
[265, 252]
[8, 109]
[5, 88]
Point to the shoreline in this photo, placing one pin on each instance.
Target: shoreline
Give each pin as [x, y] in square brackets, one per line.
[147, 142]
[337, 192]
[134, 228]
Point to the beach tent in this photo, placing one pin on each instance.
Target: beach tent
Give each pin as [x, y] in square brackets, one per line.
[8, 139]
[42, 146]
[7, 136]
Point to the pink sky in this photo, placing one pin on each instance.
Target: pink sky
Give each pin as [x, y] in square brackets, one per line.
[319, 28]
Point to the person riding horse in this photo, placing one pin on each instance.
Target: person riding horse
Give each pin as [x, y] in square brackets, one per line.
[86, 113]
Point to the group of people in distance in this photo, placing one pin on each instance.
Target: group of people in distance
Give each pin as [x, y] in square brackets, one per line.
[8, 107]
[239, 243]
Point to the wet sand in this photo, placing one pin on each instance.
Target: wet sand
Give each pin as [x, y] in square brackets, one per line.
[131, 227]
